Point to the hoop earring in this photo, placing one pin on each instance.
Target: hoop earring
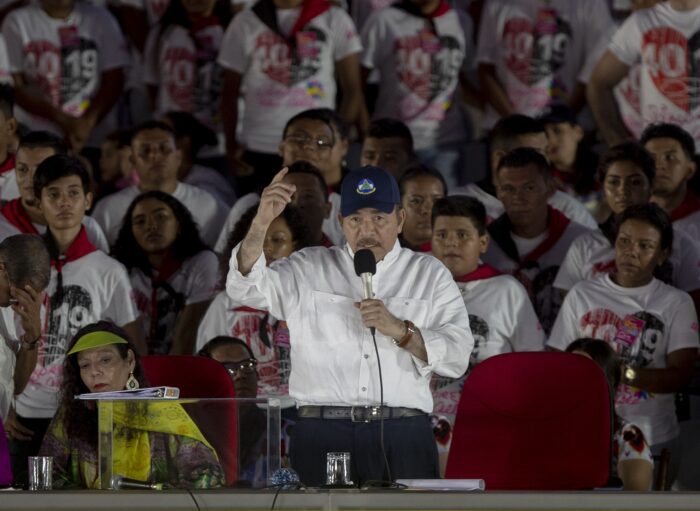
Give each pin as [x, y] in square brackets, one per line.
[132, 383]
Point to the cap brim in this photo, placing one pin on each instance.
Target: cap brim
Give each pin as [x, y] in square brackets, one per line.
[349, 209]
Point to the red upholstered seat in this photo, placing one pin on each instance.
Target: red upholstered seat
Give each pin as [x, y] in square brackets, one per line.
[202, 377]
[534, 421]
[5, 470]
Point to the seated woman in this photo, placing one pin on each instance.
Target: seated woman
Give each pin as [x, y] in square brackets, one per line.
[651, 326]
[632, 460]
[173, 274]
[268, 339]
[160, 445]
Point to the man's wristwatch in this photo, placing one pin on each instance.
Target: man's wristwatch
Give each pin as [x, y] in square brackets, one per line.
[628, 374]
[410, 330]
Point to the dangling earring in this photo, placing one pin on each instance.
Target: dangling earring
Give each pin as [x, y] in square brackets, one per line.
[132, 383]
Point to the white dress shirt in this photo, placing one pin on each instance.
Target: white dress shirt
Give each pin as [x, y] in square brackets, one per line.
[332, 355]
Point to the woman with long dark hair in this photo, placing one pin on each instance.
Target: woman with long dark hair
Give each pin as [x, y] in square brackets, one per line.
[173, 274]
[154, 442]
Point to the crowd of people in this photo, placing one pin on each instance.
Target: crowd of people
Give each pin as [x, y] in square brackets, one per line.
[179, 177]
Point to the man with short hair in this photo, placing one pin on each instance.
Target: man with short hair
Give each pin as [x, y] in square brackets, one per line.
[419, 316]
[420, 187]
[8, 128]
[531, 238]
[510, 133]
[157, 161]
[673, 150]
[23, 215]
[388, 145]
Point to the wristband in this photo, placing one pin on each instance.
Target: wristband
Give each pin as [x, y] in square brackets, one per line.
[410, 330]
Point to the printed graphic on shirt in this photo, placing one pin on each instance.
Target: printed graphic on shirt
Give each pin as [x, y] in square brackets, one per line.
[289, 65]
[536, 51]
[673, 64]
[193, 79]
[427, 65]
[546, 299]
[480, 331]
[68, 73]
[635, 339]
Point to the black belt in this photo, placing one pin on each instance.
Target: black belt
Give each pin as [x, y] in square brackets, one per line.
[357, 413]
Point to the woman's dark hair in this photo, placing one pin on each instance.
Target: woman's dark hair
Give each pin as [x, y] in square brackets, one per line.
[186, 244]
[79, 418]
[653, 215]
[415, 171]
[463, 206]
[602, 354]
[290, 214]
[631, 152]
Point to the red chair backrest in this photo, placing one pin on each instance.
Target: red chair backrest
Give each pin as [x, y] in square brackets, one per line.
[202, 377]
[533, 421]
[5, 470]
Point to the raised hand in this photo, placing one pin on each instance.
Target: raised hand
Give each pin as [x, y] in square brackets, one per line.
[274, 199]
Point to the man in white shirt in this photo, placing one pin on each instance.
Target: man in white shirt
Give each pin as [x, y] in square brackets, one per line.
[157, 161]
[663, 40]
[421, 323]
[531, 238]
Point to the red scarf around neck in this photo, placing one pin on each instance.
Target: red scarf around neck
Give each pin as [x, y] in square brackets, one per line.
[690, 205]
[309, 10]
[482, 272]
[15, 213]
[8, 164]
[80, 247]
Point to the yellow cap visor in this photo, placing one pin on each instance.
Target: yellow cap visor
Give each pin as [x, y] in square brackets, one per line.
[95, 340]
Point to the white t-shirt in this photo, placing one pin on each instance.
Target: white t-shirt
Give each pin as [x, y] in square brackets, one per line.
[592, 254]
[8, 345]
[5, 73]
[361, 10]
[664, 42]
[196, 281]
[689, 225]
[228, 318]
[648, 322]
[331, 226]
[538, 48]
[208, 213]
[538, 278]
[93, 229]
[572, 208]
[419, 62]
[183, 66]
[279, 85]
[502, 320]
[64, 58]
[8, 186]
[95, 287]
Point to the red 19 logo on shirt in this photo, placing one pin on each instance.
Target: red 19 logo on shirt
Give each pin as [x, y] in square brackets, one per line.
[179, 69]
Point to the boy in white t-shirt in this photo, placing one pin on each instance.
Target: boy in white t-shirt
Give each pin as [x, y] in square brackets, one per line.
[86, 285]
[67, 59]
[673, 150]
[652, 326]
[501, 316]
[663, 40]
[157, 162]
[531, 238]
[531, 53]
[283, 56]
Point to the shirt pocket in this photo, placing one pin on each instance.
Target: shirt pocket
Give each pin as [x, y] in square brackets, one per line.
[411, 309]
[334, 319]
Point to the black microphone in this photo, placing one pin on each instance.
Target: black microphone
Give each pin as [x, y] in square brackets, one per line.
[365, 267]
[124, 483]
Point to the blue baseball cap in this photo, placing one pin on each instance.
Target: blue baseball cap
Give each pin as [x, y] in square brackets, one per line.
[369, 187]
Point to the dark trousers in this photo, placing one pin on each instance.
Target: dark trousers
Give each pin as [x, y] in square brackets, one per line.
[20, 450]
[409, 443]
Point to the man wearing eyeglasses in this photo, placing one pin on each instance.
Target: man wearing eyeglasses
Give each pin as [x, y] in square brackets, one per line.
[157, 161]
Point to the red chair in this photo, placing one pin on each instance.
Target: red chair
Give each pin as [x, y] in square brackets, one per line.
[534, 421]
[5, 470]
[201, 377]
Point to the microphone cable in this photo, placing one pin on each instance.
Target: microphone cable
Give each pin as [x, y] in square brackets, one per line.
[381, 409]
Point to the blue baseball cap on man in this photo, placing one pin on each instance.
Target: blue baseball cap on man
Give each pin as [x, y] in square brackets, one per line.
[369, 187]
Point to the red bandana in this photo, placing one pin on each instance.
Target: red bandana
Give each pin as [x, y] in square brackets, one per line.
[15, 213]
[557, 224]
[481, 273]
[425, 247]
[309, 10]
[690, 205]
[325, 241]
[81, 246]
[8, 164]
[440, 10]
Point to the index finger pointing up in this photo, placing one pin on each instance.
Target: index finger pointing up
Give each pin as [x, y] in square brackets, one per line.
[279, 176]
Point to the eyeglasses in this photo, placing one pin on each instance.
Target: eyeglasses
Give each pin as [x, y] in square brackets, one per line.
[302, 140]
[246, 366]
